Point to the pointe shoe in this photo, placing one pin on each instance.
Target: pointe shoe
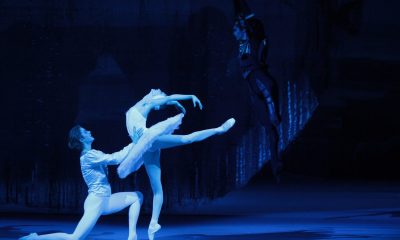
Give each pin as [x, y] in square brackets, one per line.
[227, 125]
[153, 228]
[31, 236]
[133, 237]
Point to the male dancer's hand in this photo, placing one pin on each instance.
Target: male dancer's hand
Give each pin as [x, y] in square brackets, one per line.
[137, 134]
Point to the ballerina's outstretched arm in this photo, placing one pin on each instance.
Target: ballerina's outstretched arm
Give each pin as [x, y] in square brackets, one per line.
[177, 105]
[163, 100]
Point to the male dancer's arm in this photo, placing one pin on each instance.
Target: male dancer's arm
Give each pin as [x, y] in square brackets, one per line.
[98, 157]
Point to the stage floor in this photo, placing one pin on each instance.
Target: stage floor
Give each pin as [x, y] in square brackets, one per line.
[339, 210]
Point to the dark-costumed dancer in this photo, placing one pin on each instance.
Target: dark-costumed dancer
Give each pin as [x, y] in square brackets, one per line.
[253, 47]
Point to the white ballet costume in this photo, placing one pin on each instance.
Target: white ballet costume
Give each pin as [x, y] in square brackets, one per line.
[134, 121]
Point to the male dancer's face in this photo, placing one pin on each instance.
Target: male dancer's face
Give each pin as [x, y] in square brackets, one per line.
[86, 136]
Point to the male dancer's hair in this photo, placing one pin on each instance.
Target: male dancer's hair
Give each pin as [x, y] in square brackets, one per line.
[74, 138]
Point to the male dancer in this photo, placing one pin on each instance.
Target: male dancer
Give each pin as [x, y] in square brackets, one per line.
[94, 164]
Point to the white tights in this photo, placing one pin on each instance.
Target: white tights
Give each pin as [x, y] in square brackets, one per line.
[95, 207]
[152, 159]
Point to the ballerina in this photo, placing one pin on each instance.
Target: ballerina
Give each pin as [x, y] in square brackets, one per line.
[136, 118]
[94, 164]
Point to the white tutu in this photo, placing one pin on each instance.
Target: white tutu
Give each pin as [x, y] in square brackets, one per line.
[145, 142]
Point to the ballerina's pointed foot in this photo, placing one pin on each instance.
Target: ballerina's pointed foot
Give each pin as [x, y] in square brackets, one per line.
[31, 236]
[153, 228]
[132, 237]
[227, 125]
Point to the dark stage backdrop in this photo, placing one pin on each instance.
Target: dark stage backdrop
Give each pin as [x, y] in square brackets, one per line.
[67, 62]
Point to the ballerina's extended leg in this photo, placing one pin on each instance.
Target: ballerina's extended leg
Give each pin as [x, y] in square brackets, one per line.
[173, 140]
[152, 164]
